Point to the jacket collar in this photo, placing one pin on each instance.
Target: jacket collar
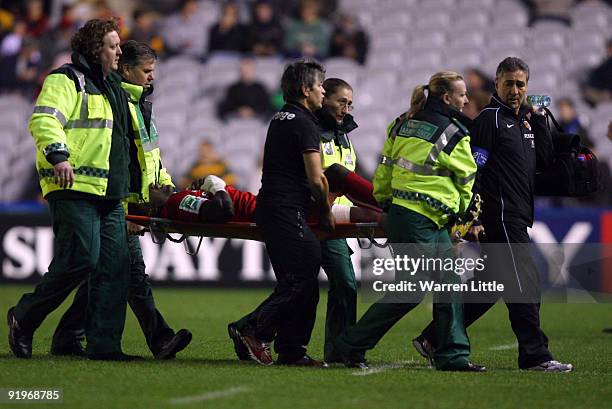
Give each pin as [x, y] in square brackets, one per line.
[303, 109]
[328, 122]
[440, 107]
[496, 102]
[136, 92]
[93, 70]
[90, 69]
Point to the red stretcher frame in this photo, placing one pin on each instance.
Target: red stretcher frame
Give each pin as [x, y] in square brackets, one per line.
[249, 231]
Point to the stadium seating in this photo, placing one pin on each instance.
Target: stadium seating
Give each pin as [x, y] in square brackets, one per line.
[409, 41]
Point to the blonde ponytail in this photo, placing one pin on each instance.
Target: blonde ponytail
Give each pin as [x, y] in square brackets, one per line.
[440, 83]
[417, 101]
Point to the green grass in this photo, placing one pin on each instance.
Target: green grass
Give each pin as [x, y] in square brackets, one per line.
[208, 365]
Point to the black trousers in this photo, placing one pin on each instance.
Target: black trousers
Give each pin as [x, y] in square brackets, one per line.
[140, 299]
[288, 315]
[510, 262]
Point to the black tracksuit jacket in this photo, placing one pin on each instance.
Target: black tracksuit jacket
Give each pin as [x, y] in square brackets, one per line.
[508, 149]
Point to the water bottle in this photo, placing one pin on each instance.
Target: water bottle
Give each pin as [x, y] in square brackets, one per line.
[542, 101]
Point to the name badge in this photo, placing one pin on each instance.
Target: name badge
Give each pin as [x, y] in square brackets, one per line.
[349, 159]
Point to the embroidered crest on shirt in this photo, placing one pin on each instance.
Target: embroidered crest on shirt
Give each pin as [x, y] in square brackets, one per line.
[192, 204]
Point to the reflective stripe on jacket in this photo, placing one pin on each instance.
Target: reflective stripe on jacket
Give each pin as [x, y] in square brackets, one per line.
[426, 164]
[68, 120]
[147, 143]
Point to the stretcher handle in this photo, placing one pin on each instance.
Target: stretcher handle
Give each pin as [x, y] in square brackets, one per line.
[188, 248]
[183, 239]
[179, 240]
[372, 241]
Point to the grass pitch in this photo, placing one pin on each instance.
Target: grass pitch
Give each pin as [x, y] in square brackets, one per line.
[207, 374]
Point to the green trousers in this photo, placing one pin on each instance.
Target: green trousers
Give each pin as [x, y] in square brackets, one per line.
[342, 296]
[140, 299]
[90, 244]
[406, 226]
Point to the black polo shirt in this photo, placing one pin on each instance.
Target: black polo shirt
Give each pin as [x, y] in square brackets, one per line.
[292, 132]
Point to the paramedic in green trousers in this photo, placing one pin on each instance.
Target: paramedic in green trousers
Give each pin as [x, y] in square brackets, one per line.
[137, 69]
[80, 126]
[424, 179]
[335, 123]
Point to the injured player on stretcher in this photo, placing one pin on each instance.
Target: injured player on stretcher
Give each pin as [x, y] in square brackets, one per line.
[210, 200]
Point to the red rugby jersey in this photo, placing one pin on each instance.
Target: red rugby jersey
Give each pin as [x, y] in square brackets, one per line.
[185, 206]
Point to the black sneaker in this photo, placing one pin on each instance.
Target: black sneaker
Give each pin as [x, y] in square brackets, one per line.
[68, 343]
[241, 351]
[424, 348]
[303, 361]
[74, 349]
[115, 356]
[359, 364]
[19, 340]
[176, 344]
[470, 367]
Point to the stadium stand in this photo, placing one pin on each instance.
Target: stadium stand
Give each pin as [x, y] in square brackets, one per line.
[408, 42]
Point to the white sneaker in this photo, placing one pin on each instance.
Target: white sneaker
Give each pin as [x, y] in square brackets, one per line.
[552, 366]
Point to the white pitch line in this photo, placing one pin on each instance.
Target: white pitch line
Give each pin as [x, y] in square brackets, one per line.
[382, 368]
[503, 347]
[209, 395]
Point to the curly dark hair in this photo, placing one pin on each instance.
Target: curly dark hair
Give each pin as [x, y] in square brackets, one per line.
[89, 40]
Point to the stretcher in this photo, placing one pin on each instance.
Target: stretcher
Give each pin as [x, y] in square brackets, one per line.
[161, 229]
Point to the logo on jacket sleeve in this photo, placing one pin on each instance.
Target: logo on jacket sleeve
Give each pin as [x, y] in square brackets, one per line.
[480, 156]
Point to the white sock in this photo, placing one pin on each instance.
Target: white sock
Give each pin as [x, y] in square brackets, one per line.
[213, 184]
[342, 213]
